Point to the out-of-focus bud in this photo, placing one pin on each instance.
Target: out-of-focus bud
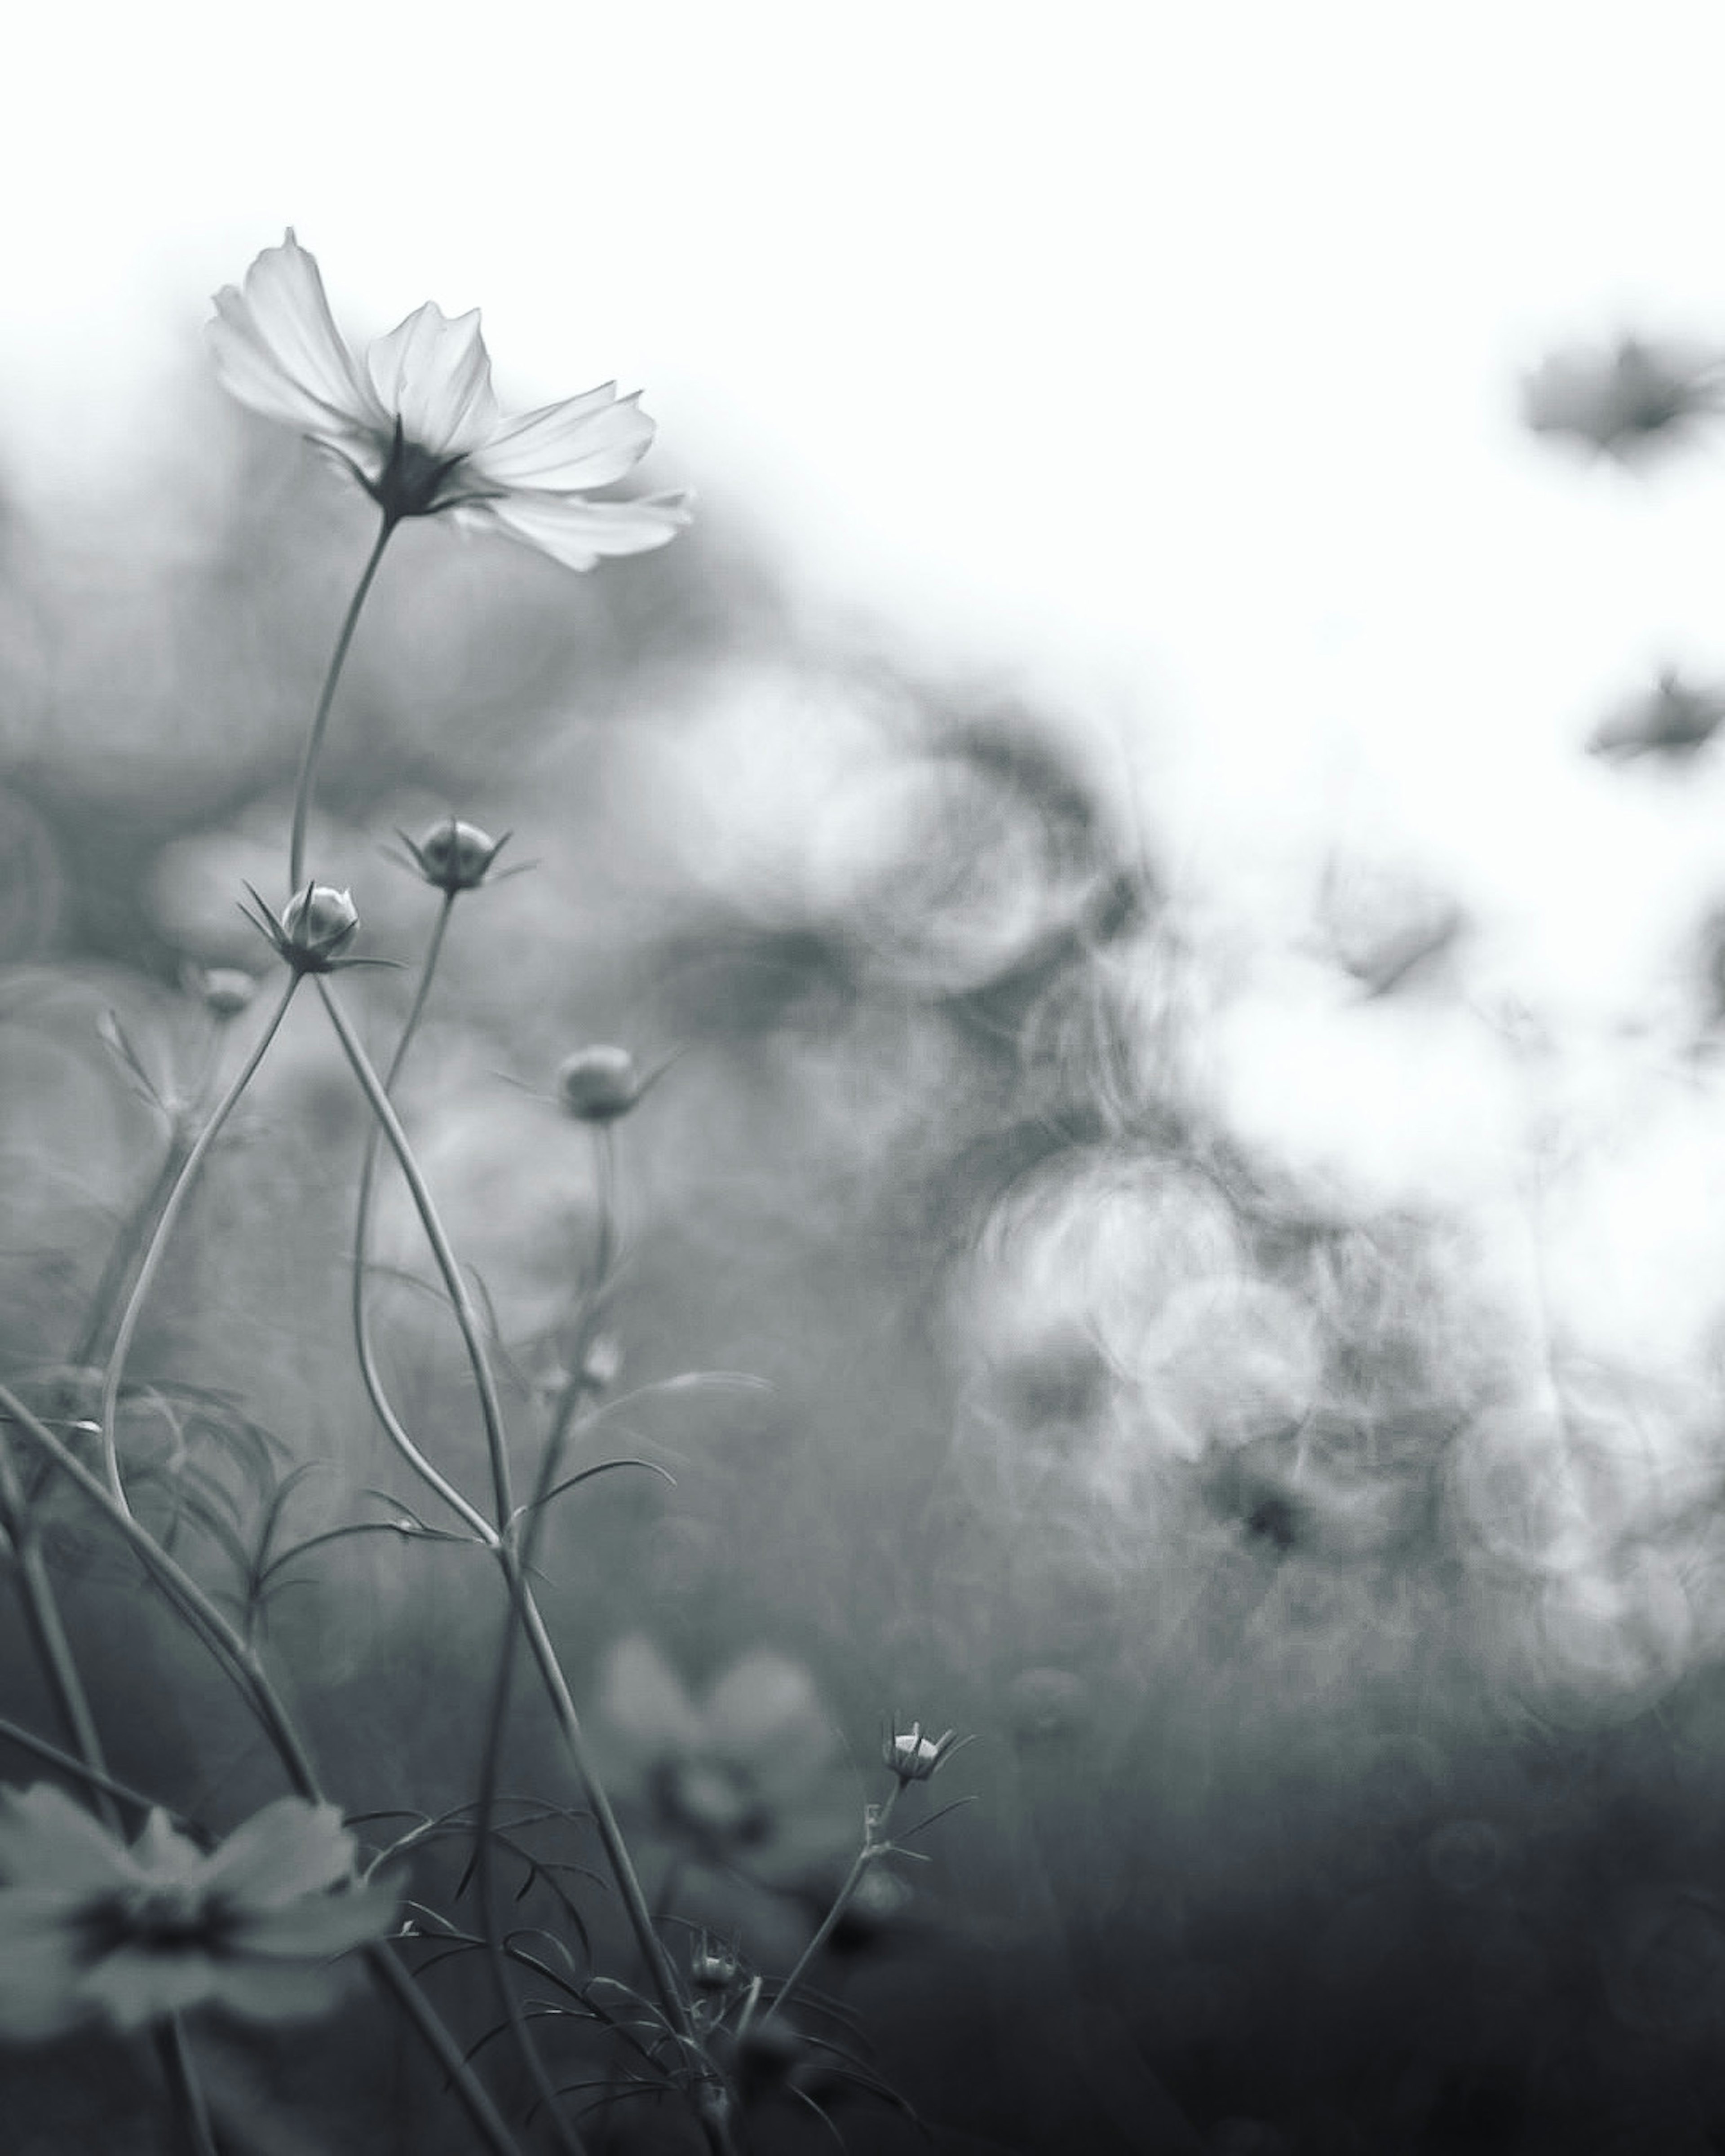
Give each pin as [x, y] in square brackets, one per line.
[1673, 719]
[1623, 402]
[711, 1968]
[915, 1757]
[597, 1084]
[453, 855]
[227, 990]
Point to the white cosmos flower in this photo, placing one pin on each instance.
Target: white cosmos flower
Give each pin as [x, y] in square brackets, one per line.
[416, 423]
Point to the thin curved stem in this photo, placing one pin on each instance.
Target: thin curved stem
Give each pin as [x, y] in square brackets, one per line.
[539, 1642]
[327, 697]
[68, 1762]
[568, 2136]
[382, 1406]
[873, 1849]
[203, 1616]
[486, 2118]
[48, 1629]
[125, 1247]
[180, 2072]
[115, 1373]
[467, 1316]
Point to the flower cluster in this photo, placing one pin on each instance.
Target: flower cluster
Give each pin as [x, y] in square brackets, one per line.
[94, 1929]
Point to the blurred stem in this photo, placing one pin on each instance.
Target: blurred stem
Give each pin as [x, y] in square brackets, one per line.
[187, 2091]
[126, 1245]
[484, 2114]
[874, 1846]
[185, 1178]
[507, 1551]
[252, 1680]
[48, 1630]
[65, 1762]
[327, 697]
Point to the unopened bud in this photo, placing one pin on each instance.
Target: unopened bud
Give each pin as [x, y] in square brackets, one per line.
[913, 1757]
[454, 855]
[227, 990]
[598, 1085]
[319, 922]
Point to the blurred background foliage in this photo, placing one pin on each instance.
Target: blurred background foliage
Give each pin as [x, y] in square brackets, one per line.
[1342, 1642]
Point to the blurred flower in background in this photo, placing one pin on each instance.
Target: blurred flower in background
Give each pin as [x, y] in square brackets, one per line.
[418, 424]
[92, 1928]
[748, 1782]
[1672, 720]
[1624, 403]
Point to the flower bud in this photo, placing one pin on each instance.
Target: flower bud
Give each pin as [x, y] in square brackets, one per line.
[712, 1968]
[913, 1757]
[319, 923]
[453, 855]
[227, 990]
[597, 1084]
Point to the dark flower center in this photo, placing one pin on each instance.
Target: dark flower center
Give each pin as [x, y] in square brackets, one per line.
[411, 483]
[161, 1920]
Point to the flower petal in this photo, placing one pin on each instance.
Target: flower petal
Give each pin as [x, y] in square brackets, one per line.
[277, 1991]
[39, 1970]
[277, 348]
[643, 1700]
[584, 442]
[578, 532]
[166, 1856]
[765, 1712]
[49, 1841]
[136, 1984]
[323, 1925]
[435, 375]
[289, 1850]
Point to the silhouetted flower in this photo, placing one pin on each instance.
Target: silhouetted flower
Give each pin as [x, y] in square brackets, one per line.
[417, 424]
[1620, 402]
[92, 1928]
[1672, 719]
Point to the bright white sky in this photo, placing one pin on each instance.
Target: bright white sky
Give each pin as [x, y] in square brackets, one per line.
[1168, 351]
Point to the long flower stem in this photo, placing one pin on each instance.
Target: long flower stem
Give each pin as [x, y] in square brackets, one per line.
[467, 1316]
[115, 1373]
[567, 2135]
[127, 1244]
[180, 2072]
[239, 1661]
[327, 697]
[68, 1762]
[48, 1629]
[539, 1642]
[393, 1428]
[486, 2118]
[202, 1614]
[873, 1849]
